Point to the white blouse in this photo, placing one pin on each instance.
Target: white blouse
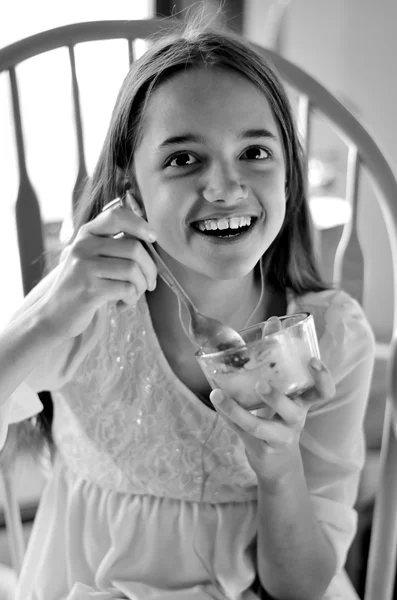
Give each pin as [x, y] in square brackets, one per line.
[151, 494]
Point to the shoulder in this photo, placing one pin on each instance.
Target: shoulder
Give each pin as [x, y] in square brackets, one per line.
[333, 311]
[342, 327]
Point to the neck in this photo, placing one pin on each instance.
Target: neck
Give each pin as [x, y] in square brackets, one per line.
[237, 303]
[231, 301]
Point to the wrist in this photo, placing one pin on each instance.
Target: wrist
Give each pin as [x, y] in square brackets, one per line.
[41, 323]
[286, 475]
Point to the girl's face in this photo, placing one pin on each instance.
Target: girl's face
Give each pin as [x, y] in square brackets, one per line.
[211, 163]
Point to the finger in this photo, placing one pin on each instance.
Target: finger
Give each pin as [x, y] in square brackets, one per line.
[133, 204]
[272, 325]
[272, 432]
[324, 386]
[127, 248]
[120, 219]
[113, 290]
[288, 410]
[217, 397]
[119, 269]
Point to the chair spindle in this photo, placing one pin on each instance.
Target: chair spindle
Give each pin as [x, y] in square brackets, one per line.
[383, 548]
[304, 126]
[82, 170]
[13, 521]
[349, 259]
[27, 209]
[130, 51]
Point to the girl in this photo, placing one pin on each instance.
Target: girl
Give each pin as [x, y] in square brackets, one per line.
[161, 488]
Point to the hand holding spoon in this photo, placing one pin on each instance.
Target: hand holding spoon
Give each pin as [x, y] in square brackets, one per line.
[209, 335]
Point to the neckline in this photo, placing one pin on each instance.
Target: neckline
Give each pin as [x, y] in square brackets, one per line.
[193, 398]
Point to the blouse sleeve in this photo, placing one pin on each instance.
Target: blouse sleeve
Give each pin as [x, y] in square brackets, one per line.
[52, 374]
[21, 405]
[332, 443]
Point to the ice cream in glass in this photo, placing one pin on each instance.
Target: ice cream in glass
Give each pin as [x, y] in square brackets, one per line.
[281, 358]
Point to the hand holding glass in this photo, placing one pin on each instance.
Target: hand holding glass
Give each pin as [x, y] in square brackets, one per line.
[280, 358]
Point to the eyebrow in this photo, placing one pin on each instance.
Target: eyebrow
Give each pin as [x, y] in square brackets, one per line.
[247, 134]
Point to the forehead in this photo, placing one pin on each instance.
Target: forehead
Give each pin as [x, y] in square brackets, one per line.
[205, 98]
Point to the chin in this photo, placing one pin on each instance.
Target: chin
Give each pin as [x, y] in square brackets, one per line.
[232, 271]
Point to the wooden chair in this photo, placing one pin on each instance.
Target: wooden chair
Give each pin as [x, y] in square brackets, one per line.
[348, 271]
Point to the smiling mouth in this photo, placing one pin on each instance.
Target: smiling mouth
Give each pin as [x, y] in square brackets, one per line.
[227, 232]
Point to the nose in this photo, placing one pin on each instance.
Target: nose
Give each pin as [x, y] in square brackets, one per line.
[223, 185]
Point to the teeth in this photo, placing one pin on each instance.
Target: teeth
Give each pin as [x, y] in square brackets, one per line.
[222, 224]
[233, 223]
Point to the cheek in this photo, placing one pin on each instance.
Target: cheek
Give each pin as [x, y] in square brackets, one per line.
[275, 206]
[149, 199]
[273, 196]
[280, 215]
[163, 212]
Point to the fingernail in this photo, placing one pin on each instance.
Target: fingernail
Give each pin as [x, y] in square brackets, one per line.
[132, 203]
[316, 364]
[153, 285]
[152, 236]
[216, 396]
[130, 199]
[272, 325]
[263, 387]
[138, 212]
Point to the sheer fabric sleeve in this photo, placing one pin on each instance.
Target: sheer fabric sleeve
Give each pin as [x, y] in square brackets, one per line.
[21, 405]
[332, 443]
[51, 374]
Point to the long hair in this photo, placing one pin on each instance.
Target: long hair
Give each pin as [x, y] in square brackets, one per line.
[290, 260]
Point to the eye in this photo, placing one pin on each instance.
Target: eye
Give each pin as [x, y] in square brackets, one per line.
[183, 159]
[256, 153]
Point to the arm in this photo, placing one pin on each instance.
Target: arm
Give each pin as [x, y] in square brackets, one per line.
[43, 342]
[294, 557]
[308, 468]
[26, 340]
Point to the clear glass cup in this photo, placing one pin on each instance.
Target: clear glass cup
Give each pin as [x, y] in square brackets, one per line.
[280, 358]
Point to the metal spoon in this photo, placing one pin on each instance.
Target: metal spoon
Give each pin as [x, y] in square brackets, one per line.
[208, 334]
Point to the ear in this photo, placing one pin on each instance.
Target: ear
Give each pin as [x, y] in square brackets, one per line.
[122, 181]
[126, 181]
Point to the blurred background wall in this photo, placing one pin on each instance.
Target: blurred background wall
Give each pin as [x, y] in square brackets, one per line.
[351, 48]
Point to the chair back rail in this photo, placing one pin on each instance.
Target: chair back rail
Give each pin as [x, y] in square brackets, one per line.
[349, 272]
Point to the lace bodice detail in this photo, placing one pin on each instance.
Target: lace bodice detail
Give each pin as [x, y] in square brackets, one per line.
[124, 421]
[127, 423]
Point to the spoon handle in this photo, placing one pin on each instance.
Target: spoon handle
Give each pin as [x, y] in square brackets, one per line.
[169, 278]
